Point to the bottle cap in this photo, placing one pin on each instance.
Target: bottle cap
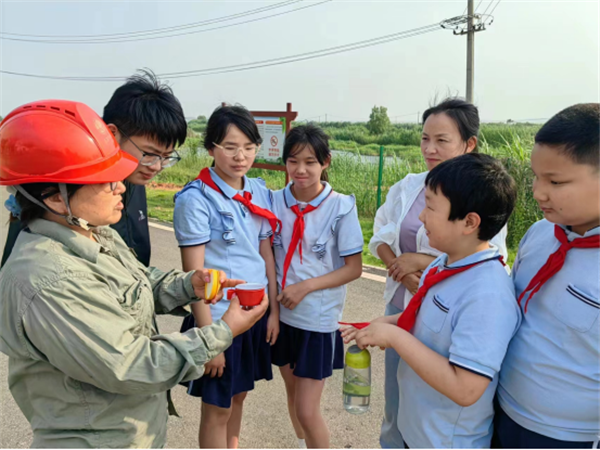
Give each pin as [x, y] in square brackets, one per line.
[357, 358]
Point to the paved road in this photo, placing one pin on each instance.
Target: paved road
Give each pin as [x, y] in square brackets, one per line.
[266, 423]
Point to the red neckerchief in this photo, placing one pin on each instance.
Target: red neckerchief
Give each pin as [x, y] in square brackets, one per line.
[556, 260]
[245, 200]
[297, 235]
[408, 318]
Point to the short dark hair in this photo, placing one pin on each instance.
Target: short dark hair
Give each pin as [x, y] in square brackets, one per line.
[225, 116]
[304, 135]
[476, 183]
[577, 130]
[29, 210]
[144, 106]
[463, 113]
[308, 135]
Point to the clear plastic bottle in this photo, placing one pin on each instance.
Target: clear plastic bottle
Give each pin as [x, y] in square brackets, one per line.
[357, 380]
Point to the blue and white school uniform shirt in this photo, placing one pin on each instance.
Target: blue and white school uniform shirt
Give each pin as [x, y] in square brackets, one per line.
[468, 318]
[332, 232]
[230, 233]
[550, 380]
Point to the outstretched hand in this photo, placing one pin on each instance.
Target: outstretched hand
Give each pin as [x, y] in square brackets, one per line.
[241, 319]
[201, 278]
[378, 334]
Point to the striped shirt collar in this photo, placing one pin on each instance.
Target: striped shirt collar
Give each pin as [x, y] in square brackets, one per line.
[227, 190]
[290, 200]
[487, 254]
[572, 235]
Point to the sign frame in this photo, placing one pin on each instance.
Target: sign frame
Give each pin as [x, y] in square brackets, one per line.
[289, 117]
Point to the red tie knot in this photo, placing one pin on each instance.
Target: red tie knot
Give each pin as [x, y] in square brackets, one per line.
[561, 235]
[297, 211]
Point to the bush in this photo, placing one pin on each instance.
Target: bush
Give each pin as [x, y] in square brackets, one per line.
[350, 174]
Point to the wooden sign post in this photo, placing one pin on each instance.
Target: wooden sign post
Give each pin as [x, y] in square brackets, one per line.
[274, 141]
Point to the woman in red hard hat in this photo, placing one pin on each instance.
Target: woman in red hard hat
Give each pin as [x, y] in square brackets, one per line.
[87, 365]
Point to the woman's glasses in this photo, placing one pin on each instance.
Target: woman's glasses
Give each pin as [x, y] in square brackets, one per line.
[232, 150]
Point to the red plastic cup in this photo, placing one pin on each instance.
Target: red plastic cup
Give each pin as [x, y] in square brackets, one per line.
[250, 294]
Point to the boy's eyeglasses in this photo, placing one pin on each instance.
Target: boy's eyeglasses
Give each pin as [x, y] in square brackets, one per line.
[232, 150]
[149, 159]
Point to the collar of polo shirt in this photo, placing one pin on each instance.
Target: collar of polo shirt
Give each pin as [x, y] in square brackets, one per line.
[290, 200]
[227, 190]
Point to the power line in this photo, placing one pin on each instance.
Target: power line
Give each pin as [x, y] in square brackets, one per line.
[350, 119]
[494, 9]
[405, 115]
[257, 64]
[530, 120]
[488, 7]
[478, 5]
[160, 30]
[136, 39]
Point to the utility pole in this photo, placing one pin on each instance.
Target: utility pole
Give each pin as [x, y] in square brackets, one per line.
[470, 51]
[469, 25]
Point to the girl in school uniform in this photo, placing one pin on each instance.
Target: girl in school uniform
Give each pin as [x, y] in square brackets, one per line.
[223, 220]
[318, 251]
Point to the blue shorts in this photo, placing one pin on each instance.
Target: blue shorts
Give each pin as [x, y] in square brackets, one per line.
[509, 434]
[246, 361]
[309, 353]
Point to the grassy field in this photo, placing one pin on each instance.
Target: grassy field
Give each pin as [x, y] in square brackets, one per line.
[160, 207]
[510, 143]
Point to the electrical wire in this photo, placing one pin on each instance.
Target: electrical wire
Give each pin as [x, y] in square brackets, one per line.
[159, 30]
[136, 39]
[257, 64]
[477, 7]
[494, 9]
[406, 115]
[488, 7]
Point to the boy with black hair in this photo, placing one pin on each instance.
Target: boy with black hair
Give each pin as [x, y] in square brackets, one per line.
[148, 123]
[453, 335]
[549, 390]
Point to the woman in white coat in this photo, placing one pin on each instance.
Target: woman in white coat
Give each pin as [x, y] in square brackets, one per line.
[450, 129]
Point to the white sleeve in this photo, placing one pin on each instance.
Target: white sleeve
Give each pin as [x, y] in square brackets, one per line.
[500, 241]
[384, 228]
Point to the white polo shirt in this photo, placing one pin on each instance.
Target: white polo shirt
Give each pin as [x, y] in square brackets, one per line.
[468, 318]
[550, 379]
[332, 232]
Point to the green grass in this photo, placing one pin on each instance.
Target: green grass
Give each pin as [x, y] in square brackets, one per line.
[495, 134]
[160, 207]
[510, 143]
[367, 230]
[160, 204]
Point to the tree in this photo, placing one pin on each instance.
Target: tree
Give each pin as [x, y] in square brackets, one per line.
[201, 119]
[379, 121]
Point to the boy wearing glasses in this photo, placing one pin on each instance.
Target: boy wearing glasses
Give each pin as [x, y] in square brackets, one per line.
[148, 123]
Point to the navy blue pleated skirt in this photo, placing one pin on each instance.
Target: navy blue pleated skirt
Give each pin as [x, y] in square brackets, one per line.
[310, 354]
[246, 361]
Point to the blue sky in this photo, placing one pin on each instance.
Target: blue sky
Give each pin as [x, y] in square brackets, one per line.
[535, 59]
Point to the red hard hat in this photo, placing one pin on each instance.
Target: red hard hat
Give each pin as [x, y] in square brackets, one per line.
[59, 141]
